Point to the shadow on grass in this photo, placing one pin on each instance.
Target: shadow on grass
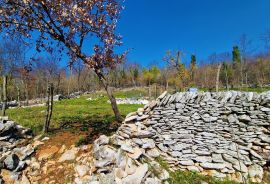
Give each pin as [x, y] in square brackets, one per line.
[91, 126]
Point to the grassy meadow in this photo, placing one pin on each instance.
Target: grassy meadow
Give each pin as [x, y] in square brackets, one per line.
[78, 110]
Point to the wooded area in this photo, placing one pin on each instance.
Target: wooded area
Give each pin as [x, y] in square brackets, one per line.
[29, 78]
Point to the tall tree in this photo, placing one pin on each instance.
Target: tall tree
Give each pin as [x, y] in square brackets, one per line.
[174, 61]
[72, 24]
[193, 65]
[236, 57]
[245, 49]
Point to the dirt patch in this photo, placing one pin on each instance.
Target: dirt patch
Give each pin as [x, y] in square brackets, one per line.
[66, 148]
[48, 155]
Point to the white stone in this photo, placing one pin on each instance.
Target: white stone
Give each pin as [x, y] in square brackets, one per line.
[137, 177]
[82, 170]
[68, 155]
[212, 165]
[186, 162]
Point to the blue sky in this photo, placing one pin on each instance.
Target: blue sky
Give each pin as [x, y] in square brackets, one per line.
[202, 27]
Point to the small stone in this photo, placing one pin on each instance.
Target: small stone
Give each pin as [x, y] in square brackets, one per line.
[82, 170]
[11, 162]
[148, 144]
[164, 175]
[264, 109]
[153, 153]
[255, 173]
[102, 140]
[231, 118]
[138, 176]
[186, 162]
[202, 159]
[256, 155]
[202, 153]
[217, 158]
[152, 181]
[8, 176]
[212, 165]
[176, 153]
[119, 173]
[240, 166]
[127, 148]
[137, 153]
[143, 134]
[45, 139]
[69, 155]
[25, 180]
[102, 163]
[131, 118]
[244, 118]
[193, 168]
[265, 138]
[229, 159]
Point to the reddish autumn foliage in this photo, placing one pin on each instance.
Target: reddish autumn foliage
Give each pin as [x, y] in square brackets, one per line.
[73, 24]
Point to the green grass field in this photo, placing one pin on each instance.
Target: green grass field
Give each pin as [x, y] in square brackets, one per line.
[71, 110]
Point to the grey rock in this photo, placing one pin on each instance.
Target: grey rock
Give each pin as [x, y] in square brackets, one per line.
[127, 148]
[255, 171]
[244, 118]
[203, 159]
[264, 109]
[11, 162]
[138, 176]
[153, 153]
[82, 170]
[148, 144]
[186, 162]
[217, 166]
[102, 140]
[265, 138]
[240, 166]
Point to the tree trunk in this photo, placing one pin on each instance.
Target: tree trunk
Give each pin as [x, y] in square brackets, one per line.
[78, 80]
[227, 80]
[242, 77]
[26, 93]
[167, 85]
[217, 78]
[4, 95]
[246, 76]
[134, 83]
[51, 105]
[18, 96]
[105, 84]
[45, 127]
[58, 83]
[69, 81]
[155, 90]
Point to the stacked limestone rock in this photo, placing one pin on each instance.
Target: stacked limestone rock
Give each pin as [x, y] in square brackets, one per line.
[222, 134]
[14, 151]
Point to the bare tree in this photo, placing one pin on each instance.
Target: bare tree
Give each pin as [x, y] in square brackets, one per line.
[70, 24]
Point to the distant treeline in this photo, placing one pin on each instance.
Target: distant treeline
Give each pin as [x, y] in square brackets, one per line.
[29, 78]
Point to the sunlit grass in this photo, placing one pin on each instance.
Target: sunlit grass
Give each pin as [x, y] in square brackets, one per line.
[75, 110]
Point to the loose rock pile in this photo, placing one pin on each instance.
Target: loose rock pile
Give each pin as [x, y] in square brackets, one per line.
[131, 101]
[14, 151]
[224, 134]
[10, 104]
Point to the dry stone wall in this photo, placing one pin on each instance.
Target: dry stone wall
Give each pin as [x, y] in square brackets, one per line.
[226, 135]
[15, 149]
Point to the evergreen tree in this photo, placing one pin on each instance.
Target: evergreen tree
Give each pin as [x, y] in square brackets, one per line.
[237, 65]
[193, 64]
[236, 55]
